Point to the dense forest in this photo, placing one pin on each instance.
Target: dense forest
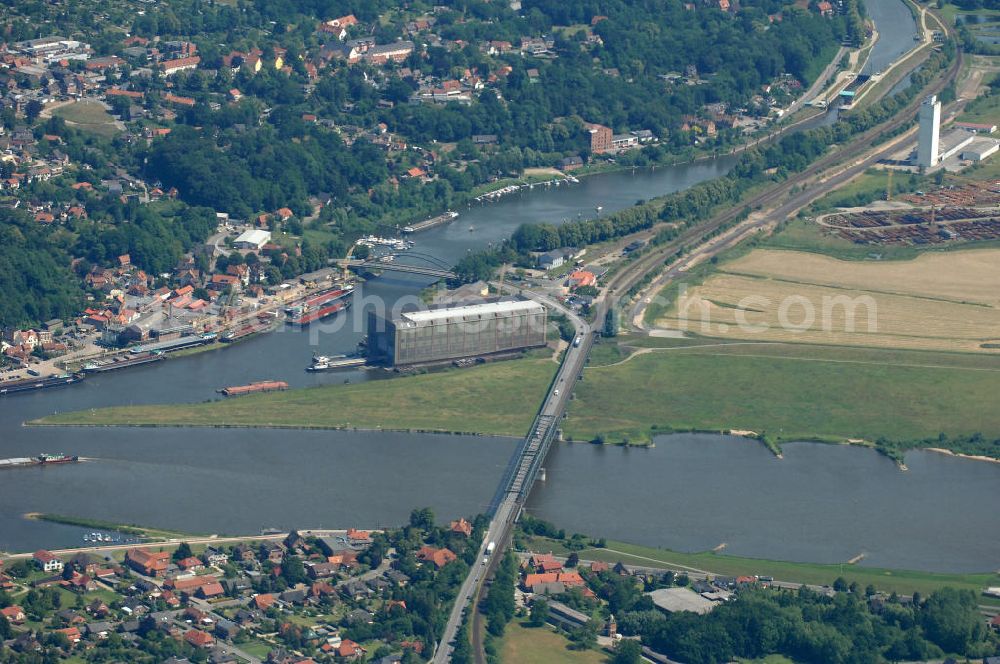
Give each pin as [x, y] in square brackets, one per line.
[261, 154]
[35, 276]
[808, 626]
[773, 162]
[538, 120]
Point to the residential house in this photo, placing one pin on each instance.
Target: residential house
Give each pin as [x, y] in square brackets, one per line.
[461, 527]
[14, 614]
[551, 259]
[440, 557]
[263, 601]
[47, 561]
[171, 67]
[191, 564]
[570, 163]
[213, 556]
[359, 538]
[210, 591]
[226, 629]
[72, 634]
[581, 278]
[99, 630]
[145, 561]
[199, 639]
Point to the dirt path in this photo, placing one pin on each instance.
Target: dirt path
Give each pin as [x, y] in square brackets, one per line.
[644, 351]
[795, 359]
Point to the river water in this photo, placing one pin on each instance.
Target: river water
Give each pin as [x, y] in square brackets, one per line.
[821, 503]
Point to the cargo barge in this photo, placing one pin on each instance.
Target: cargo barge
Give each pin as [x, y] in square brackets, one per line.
[333, 362]
[320, 305]
[245, 332]
[431, 223]
[40, 460]
[29, 384]
[122, 362]
[176, 344]
[259, 386]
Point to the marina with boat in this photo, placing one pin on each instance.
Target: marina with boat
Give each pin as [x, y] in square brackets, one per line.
[514, 188]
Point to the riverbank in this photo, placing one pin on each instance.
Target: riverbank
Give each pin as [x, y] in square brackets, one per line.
[493, 399]
[776, 392]
[97, 524]
[788, 392]
[903, 582]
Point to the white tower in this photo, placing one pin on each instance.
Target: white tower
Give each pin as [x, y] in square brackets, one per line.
[930, 128]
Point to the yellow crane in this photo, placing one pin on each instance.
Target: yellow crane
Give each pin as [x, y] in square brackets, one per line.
[347, 260]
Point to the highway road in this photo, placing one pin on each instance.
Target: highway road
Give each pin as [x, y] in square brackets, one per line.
[824, 175]
[518, 482]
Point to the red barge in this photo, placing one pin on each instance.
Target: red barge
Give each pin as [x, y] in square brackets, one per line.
[319, 306]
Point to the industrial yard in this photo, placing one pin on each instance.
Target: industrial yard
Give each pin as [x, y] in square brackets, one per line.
[915, 226]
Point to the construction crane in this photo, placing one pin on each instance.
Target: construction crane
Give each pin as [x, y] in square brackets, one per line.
[347, 261]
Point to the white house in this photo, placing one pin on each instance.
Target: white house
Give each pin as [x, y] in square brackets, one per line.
[47, 561]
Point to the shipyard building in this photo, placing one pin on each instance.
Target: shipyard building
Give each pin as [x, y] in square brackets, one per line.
[451, 333]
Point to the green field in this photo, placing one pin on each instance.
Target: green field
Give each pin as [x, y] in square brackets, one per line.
[88, 116]
[789, 391]
[541, 645]
[901, 581]
[984, 109]
[500, 398]
[258, 649]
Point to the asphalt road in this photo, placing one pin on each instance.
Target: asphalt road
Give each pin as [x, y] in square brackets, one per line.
[784, 199]
[502, 525]
[858, 154]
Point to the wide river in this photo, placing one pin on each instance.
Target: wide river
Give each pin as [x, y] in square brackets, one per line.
[821, 503]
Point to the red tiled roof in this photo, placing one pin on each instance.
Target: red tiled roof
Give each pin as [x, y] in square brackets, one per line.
[212, 589]
[198, 638]
[263, 602]
[118, 92]
[440, 557]
[461, 526]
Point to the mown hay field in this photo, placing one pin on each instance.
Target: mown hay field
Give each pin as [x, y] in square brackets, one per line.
[948, 301]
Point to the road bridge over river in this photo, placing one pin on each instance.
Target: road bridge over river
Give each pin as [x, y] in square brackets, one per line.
[435, 267]
[521, 471]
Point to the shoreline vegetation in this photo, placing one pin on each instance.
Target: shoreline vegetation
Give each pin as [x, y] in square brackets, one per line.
[724, 564]
[715, 562]
[765, 393]
[449, 401]
[98, 524]
[785, 392]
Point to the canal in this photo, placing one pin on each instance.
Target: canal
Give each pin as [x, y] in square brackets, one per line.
[689, 493]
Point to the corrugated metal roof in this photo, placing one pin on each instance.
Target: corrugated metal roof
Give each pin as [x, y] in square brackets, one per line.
[471, 310]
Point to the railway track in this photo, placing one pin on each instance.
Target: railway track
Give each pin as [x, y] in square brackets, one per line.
[856, 148]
